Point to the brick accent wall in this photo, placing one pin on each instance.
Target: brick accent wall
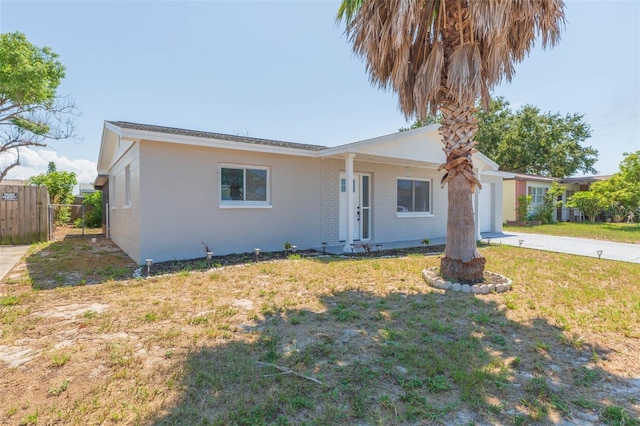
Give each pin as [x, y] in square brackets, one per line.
[521, 189]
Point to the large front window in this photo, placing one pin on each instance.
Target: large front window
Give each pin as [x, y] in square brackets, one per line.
[414, 196]
[240, 185]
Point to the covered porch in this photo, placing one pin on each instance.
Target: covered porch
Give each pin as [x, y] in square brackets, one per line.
[378, 171]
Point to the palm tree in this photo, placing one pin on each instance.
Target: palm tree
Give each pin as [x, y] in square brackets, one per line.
[441, 56]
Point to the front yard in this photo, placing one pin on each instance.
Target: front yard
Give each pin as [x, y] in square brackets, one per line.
[316, 341]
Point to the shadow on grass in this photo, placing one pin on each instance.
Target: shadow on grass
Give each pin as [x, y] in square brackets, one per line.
[399, 359]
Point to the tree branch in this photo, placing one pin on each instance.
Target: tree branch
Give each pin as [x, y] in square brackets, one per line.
[288, 371]
[4, 172]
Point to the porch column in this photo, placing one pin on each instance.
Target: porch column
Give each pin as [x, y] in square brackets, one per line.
[348, 161]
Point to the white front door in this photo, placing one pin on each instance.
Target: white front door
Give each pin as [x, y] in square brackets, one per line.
[361, 220]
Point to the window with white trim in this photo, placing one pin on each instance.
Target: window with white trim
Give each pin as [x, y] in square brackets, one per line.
[127, 185]
[537, 194]
[113, 201]
[413, 196]
[244, 185]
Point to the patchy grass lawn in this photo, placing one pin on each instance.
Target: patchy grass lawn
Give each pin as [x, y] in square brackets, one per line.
[620, 232]
[317, 341]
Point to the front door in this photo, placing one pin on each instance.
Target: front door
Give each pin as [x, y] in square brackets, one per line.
[361, 220]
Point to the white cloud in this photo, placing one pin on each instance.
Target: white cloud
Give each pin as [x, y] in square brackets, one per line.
[36, 161]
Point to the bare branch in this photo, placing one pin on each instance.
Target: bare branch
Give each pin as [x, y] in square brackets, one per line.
[288, 371]
[4, 171]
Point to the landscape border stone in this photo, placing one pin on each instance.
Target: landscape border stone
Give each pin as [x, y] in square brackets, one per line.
[434, 279]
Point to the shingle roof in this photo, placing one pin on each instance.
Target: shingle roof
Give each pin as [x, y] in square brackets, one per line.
[585, 180]
[524, 176]
[211, 135]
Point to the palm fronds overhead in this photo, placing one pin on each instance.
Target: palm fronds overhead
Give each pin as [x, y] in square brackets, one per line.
[418, 47]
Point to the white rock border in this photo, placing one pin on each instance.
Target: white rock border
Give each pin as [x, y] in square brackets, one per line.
[432, 278]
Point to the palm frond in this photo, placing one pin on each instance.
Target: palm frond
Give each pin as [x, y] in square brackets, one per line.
[411, 47]
[464, 75]
[429, 80]
[347, 10]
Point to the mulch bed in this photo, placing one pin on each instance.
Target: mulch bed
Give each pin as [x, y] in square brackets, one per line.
[202, 264]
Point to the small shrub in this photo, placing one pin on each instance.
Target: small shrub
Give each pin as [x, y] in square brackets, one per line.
[93, 209]
[524, 201]
[546, 212]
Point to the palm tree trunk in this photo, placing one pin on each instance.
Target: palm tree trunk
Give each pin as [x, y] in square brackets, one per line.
[461, 262]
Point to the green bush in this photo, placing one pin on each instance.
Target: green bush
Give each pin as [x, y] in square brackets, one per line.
[93, 210]
[546, 212]
[588, 202]
[524, 201]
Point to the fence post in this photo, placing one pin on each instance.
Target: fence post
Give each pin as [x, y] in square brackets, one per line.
[50, 222]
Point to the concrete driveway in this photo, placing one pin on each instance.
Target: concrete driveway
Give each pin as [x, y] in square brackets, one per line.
[580, 246]
[9, 256]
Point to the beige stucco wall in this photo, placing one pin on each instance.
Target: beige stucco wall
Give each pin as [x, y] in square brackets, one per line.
[181, 209]
[124, 220]
[175, 203]
[508, 200]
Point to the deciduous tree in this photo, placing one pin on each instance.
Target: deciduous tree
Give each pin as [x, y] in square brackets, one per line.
[530, 141]
[620, 194]
[588, 202]
[31, 112]
[60, 186]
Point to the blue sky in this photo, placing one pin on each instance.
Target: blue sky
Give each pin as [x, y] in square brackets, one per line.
[284, 70]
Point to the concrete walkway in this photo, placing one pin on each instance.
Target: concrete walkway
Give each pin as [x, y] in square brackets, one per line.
[624, 252]
[579, 246]
[9, 256]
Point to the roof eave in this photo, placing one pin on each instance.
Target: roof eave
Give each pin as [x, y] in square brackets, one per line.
[139, 135]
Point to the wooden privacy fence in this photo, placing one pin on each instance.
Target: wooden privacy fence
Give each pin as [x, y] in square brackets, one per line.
[23, 214]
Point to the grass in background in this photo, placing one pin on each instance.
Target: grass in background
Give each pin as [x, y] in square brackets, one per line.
[620, 232]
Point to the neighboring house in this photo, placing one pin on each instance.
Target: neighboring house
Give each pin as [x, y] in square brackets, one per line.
[582, 183]
[85, 189]
[537, 186]
[523, 184]
[170, 190]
